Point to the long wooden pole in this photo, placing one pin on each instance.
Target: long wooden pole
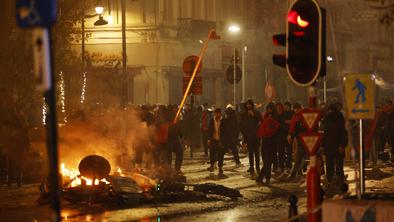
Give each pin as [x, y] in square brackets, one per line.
[203, 49]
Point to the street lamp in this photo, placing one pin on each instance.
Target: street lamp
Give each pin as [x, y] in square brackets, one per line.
[99, 9]
[99, 12]
[235, 28]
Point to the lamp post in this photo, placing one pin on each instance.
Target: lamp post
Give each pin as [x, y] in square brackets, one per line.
[244, 49]
[99, 12]
[126, 89]
[234, 28]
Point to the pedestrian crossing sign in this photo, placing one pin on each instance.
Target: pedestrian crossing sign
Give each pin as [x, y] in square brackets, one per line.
[360, 96]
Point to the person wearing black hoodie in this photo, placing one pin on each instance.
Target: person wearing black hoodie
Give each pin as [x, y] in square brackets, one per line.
[249, 124]
[334, 143]
[231, 132]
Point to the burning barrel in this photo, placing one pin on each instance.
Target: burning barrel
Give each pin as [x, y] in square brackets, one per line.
[94, 167]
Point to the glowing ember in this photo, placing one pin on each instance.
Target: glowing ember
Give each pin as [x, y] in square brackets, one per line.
[72, 176]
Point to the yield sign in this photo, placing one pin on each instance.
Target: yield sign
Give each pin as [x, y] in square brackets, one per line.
[310, 118]
[311, 141]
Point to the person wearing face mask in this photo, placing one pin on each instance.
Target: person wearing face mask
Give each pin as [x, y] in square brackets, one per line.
[249, 123]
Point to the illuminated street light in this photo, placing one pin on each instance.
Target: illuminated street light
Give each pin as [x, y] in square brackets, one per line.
[234, 28]
[99, 9]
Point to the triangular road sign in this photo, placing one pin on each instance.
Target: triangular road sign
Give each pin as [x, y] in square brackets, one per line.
[311, 141]
[310, 118]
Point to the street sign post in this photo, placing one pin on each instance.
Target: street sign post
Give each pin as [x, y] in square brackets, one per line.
[360, 101]
[40, 15]
[311, 142]
[35, 13]
[360, 98]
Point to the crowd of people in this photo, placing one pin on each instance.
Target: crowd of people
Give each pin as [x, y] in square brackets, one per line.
[270, 133]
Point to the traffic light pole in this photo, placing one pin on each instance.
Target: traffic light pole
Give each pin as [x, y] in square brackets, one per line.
[313, 175]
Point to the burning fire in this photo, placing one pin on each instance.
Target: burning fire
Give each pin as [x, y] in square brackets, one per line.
[75, 179]
[119, 171]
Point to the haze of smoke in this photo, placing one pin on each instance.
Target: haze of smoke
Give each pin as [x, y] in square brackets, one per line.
[112, 134]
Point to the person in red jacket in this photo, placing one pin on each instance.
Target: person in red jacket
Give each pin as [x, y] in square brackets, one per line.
[268, 131]
[162, 150]
[296, 127]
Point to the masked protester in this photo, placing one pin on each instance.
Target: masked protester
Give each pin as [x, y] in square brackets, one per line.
[268, 132]
[334, 143]
[249, 124]
[231, 132]
[215, 141]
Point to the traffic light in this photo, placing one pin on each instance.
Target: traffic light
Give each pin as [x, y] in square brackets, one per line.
[305, 42]
[279, 59]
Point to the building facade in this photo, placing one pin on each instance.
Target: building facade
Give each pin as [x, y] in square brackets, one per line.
[160, 34]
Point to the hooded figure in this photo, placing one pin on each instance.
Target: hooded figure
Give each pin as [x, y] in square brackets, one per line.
[231, 132]
[249, 123]
[334, 143]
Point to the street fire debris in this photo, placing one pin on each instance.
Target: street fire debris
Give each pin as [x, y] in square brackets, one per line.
[93, 183]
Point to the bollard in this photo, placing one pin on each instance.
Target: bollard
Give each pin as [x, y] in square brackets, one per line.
[293, 211]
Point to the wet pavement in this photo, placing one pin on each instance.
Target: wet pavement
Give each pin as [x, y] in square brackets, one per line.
[259, 202]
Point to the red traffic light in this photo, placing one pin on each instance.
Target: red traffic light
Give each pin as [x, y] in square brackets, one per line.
[304, 47]
[302, 23]
[295, 18]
